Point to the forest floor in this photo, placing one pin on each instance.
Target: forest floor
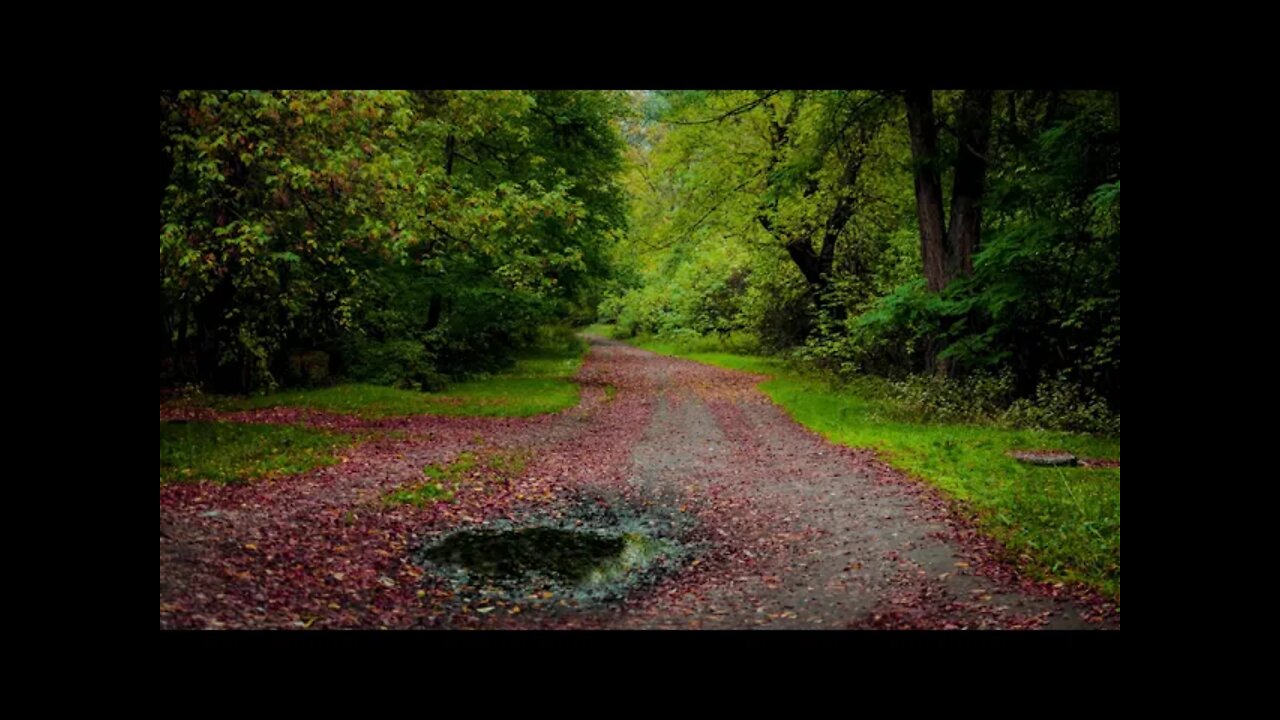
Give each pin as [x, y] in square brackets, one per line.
[733, 516]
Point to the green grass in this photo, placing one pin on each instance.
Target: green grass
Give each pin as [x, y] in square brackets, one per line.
[236, 453]
[439, 484]
[599, 329]
[538, 383]
[740, 343]
[442, 480]
[508, 465]
[1066, 521]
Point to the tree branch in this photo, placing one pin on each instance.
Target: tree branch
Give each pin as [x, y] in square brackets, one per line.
[719, 118]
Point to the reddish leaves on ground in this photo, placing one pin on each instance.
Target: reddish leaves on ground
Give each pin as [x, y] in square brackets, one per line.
[793, 531]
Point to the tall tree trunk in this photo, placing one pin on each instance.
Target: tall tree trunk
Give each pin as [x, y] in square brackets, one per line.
[450, 149]
[973, 129]
[433, 311]
[947, 253]
[928, 182]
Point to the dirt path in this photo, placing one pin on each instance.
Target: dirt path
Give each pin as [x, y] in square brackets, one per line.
[790, 530]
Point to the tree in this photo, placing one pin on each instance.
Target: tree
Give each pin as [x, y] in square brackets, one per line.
[947, 250]
[404, 234]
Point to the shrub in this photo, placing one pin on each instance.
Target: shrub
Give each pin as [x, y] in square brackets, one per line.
[1061, 404]
[934, 398]
[308, 368]
[405, 364]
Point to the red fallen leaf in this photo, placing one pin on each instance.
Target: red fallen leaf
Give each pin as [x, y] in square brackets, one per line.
[295, 515]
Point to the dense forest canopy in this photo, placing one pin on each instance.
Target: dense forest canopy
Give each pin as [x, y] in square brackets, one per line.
[403, 237]
[412, 237]
[948, 233]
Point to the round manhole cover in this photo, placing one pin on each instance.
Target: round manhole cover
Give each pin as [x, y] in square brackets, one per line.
[1052, 458]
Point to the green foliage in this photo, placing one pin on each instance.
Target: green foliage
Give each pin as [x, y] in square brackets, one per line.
[237, 453]
[1044, 299]
[360, 224]
[403, 364]
[538, 382]
[886, 339]
[419, 495]
[604, 330]
[780, 309]
[1062, 403]
[716, 201]
[695, 347]
[309, 368]
[933, 398]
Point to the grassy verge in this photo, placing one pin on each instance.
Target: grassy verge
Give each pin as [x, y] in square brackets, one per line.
[236, 453]
[1064, 524]
[538, 383]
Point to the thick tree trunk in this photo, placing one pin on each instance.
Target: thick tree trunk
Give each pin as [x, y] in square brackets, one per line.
[973, 129]
[433, 311]
[815, 267]
[928, 183]
[450, 149]
[947, 253]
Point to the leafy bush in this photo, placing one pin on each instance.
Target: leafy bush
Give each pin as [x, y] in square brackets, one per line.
[935, 398]
[309, 368]
[1064, 405]
[404, 364]
[558, 339]
[339, 221]
[1059, 403]
[888, 339]
[780, 312]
